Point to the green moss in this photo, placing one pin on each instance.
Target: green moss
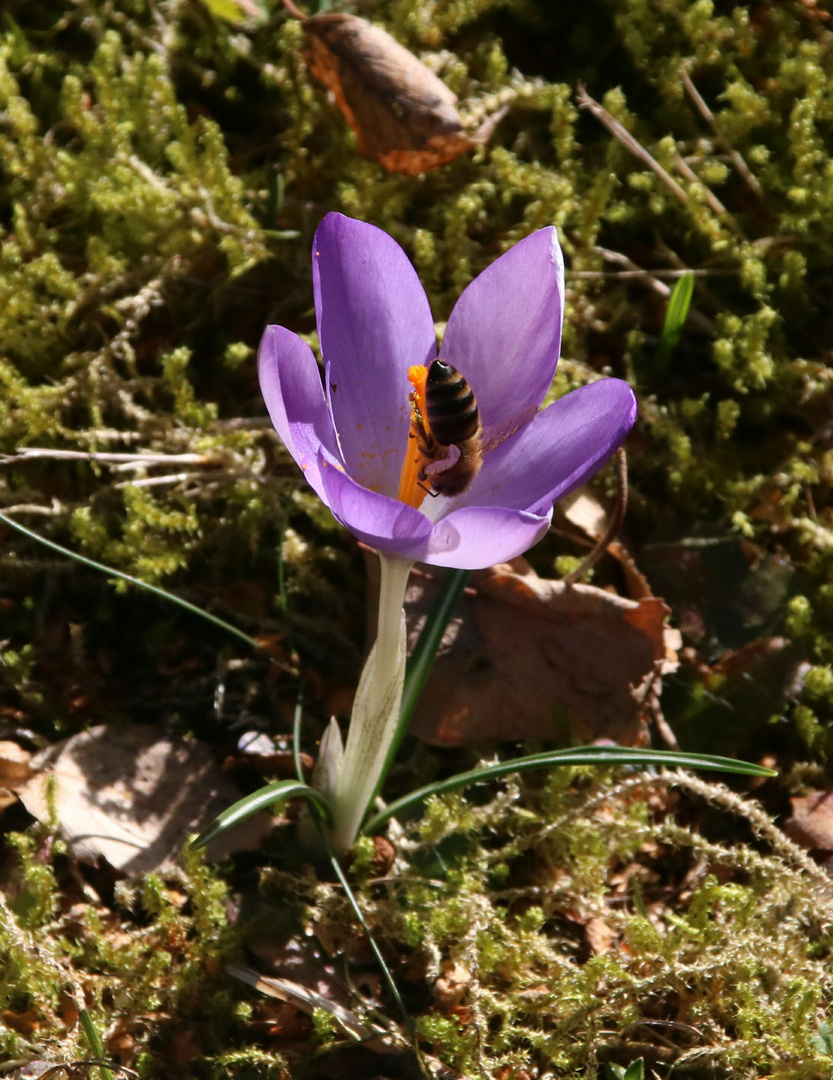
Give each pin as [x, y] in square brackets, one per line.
[742, 953]
[150, 954]
[162, 176]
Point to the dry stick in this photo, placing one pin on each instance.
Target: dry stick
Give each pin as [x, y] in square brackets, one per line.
[139, 461]
[181, 478]
[614, 525]
[641, 275]
[664, 729]
[696, 318]
[709, 117]
[715, 204]
[620, 259]
[290, 7]
[622, 135]
[53, 510]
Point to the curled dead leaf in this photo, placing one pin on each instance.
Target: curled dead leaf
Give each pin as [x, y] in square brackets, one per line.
[14, 770]
[452, 986]
[403, 115]
[811, 824]
[14, 764]
[530, 658]
[304, 999]
[601, 937]
[133, 796]
[584, 510]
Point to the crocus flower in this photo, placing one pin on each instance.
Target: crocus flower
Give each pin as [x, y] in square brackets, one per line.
[503, 336]
[353, 436]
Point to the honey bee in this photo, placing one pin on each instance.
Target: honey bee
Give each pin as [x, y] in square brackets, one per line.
[452, 420]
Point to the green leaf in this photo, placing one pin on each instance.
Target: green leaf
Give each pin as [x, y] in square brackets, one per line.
[264, 797]
[678, 304]
[583, 755]
[823, 1042]
[155, 589]
[634, 1071]
[95, 1043]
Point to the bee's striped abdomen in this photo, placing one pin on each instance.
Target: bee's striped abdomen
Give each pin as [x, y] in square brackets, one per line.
[453, 416]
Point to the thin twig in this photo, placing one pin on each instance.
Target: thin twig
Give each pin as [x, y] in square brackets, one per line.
[709, 117]
[622, 260]
[715, 204]
[177, 478]
[139, 460]
[697, 318]
[622, 135]
[637, 275]
[243, 423]
[614, 525]
[35, 508]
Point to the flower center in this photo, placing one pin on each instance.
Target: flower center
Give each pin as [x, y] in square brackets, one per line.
[412, 486]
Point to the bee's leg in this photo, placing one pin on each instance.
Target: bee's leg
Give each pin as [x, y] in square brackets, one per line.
[443, 464]
[419, 429]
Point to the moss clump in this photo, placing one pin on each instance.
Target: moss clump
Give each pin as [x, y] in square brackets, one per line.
[581, 929]
[157, 951]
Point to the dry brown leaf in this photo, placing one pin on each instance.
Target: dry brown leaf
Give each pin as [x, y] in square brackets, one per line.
[303, 999]
[132, 796]
[601, 937]
[585, 510]
[263, 753]
[811, 824]
[404, 116]
[14, 764]
[537, 659]
[14, 770]
[26, 1023]
[452, 986]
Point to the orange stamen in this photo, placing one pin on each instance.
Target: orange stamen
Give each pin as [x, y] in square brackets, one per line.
[411, 489]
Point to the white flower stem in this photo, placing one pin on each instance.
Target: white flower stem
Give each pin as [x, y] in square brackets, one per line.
[375, 709]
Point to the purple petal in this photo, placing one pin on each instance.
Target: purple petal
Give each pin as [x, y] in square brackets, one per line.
[291, 387]
[381, 522]
[374, 322]
[557, 450]
[504, 333]
[479, 536]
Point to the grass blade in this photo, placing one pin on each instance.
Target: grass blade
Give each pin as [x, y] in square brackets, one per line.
[583, 755]
[426, 647]
[277, 792]
[95, 1043]
[676, 314]
[110, 572]
[389, 979]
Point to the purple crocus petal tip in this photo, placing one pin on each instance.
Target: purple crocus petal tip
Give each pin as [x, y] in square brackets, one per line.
[374, 323]
[479, 536]
[504, 333]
